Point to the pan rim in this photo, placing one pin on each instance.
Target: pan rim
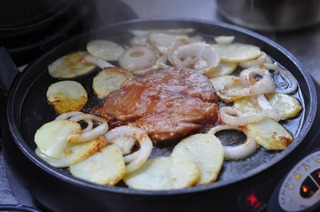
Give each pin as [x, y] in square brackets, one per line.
[29, 153]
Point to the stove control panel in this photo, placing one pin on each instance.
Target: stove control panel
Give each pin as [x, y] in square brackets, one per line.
[300, 189]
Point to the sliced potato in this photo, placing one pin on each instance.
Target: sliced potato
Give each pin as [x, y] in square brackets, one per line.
[270, 134]
[74, 153]
[246, 106]
[109, 79]
[163, 173]
[237, 52]
[105, 167]
[227, 87]
[52, 138]
[286, 106]
[205, 151]
[70, 66]
[67, 96]
[105, 49]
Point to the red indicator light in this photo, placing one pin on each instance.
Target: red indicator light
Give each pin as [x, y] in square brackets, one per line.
[253, 201]
[305, 189]
[318, 174]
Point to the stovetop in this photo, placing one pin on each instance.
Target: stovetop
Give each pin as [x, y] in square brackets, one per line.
[304, 44]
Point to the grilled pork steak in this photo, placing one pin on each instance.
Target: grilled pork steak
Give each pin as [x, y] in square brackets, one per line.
[167, 104]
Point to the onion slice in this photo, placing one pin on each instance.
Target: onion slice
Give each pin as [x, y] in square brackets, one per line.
[143, 139]
[240, 151]
[234, 117]
[89, 132]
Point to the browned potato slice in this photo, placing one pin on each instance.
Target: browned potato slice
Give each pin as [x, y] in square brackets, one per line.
[205, 151]
[74, 153]
[70, 66]
[105, 167]
[105, 49]
[237, 52]
[52, 138]
[109, 79]
[67, 96]
[270, 134]
[163, 173]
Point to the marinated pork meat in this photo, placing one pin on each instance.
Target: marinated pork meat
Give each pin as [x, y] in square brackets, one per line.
[167, 104]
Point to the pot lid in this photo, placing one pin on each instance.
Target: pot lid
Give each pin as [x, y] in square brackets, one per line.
[19, 15]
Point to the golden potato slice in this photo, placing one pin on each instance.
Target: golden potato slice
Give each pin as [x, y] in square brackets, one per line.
[205, 151]
[105, 167]
[109, 79]
[70, 66]
[52, 138]
[74, 153]
[237, 52]
[105, 49]
[66, 96]
[163, 173]
[286, 106]
[270, 134]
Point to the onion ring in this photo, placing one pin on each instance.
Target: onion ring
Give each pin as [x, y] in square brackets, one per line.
[233, 117]
[240, 151]
[145, 144]
[89, 132]
[137, 58]
[265, 106]
[260, 60]
[291, 82]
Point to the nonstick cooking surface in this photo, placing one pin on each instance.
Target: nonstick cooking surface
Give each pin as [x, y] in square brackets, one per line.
[34, 110]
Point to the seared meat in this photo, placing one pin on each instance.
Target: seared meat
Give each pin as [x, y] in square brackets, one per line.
[167, 104]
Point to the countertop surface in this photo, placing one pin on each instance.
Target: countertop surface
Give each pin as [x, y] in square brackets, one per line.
[303, 44]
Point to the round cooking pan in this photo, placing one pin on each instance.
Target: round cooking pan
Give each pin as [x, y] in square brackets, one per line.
[55, 189]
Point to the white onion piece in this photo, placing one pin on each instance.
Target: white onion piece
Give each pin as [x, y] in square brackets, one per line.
[138, 58]
[261, 59]
[209, 61]
[224, 39]
[233, 117]
[131, 157]
[264, 85]
[247, 76]
[265, 106]
[97, 61]
[71, 115]
[240, 151]
[252, 87]
[89, 132]
[160, 63]
[183, 53]
[125, 144]
[202, 56]
[143, 139]
[286, 75]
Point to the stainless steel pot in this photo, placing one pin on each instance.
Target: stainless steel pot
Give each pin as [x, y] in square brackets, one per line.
[271, 15]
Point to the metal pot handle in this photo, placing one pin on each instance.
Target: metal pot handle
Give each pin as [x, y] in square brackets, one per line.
[8, 71]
